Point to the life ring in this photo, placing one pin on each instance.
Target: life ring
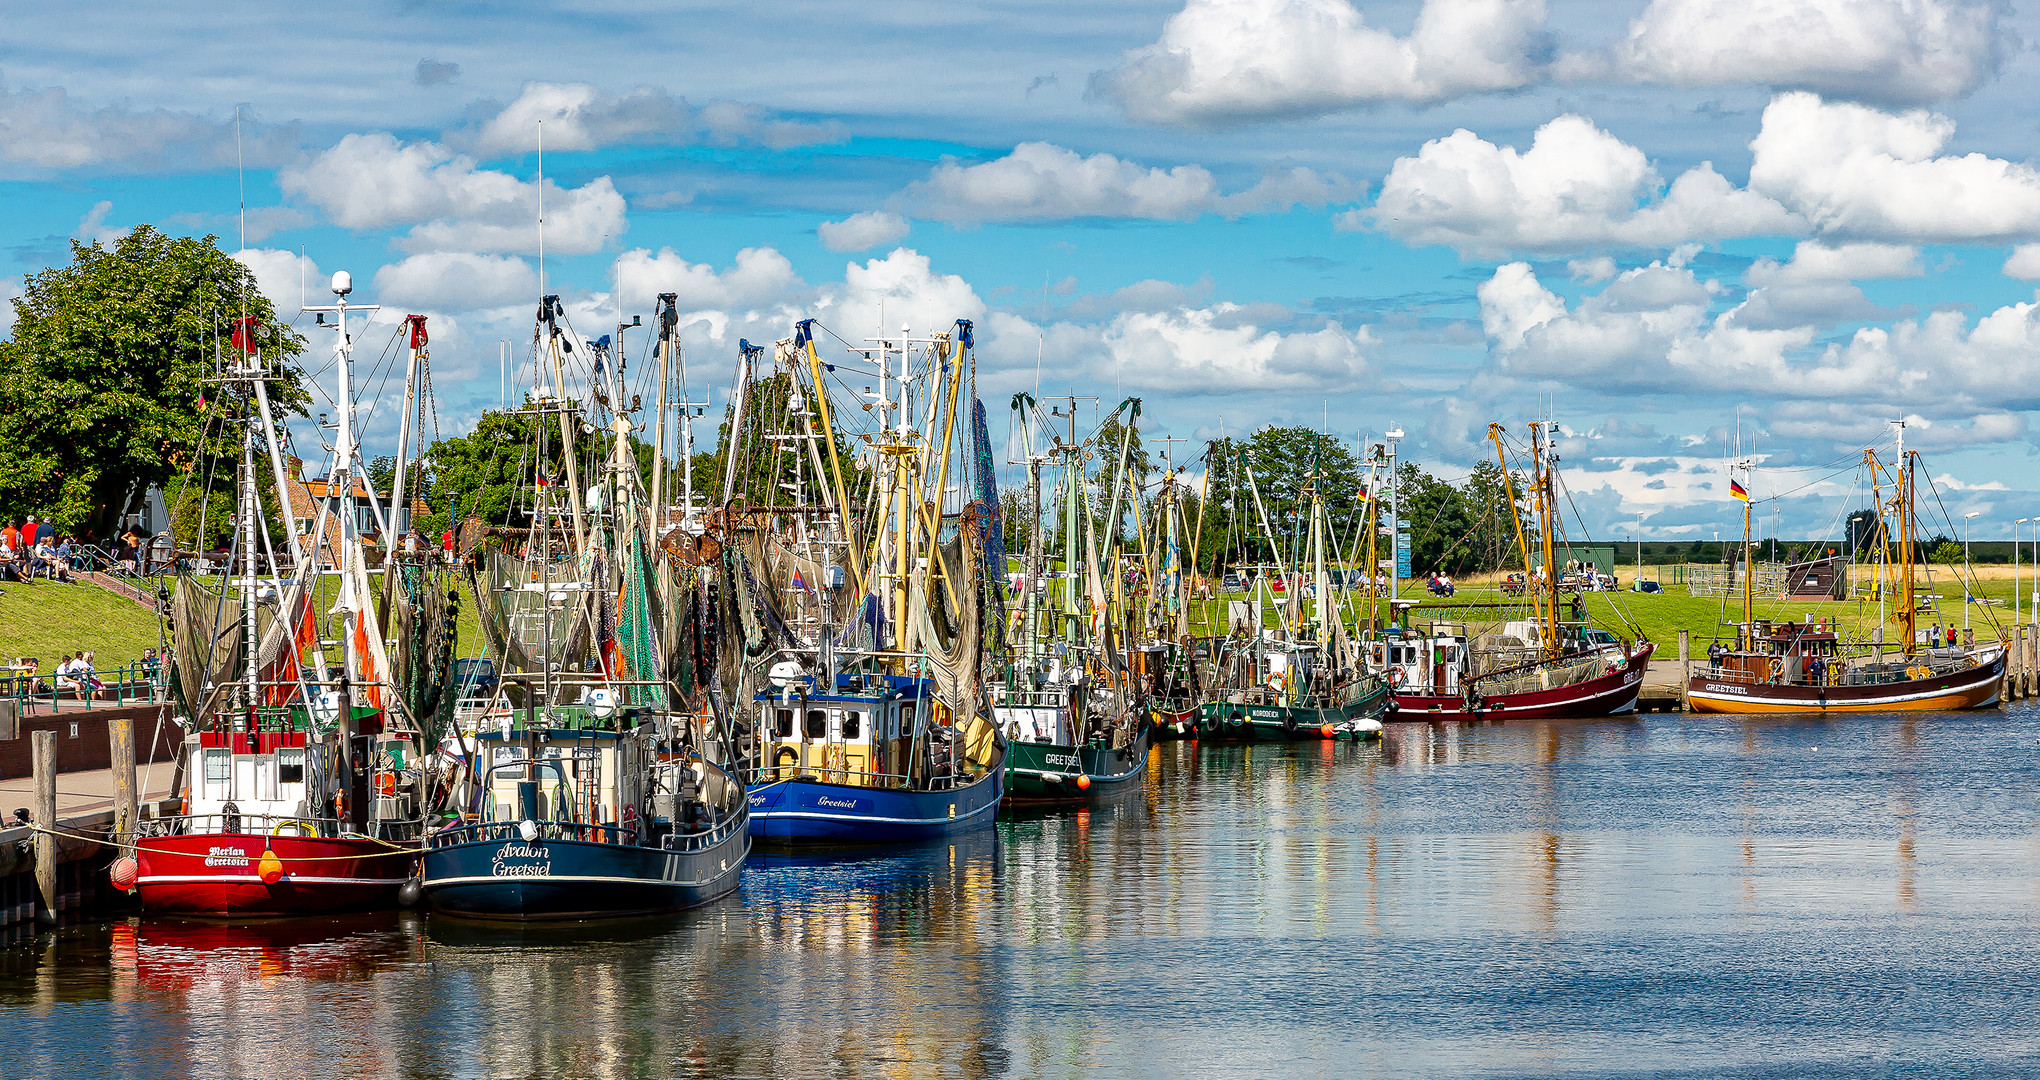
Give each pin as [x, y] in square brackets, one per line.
[1396, 676]
[304, 828]
[1278, 682]
[629, 820]
[1777, 666]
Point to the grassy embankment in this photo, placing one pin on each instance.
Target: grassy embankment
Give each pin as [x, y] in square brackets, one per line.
[46, 620]
[1661, 616]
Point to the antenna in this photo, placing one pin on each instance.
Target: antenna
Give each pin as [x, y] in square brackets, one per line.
[541, 208]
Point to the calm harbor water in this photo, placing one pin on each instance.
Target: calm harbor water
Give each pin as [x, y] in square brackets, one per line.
[1662, 896]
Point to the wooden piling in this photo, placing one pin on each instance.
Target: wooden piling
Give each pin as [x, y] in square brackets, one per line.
[44, 761]
[1685, 667]
[120, 737]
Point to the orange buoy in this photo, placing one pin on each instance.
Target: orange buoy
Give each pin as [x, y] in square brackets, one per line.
[1083, 781]
[270, 867]
[1328, 731]
[123, 872]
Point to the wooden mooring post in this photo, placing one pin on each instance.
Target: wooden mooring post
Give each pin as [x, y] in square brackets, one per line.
[44, 764]
[120, 737]
[1685, 667]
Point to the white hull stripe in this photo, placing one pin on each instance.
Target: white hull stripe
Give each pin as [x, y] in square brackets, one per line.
[255, 879]
[561, 879]
[1897, 699]
[1099, 777]
[819, 816]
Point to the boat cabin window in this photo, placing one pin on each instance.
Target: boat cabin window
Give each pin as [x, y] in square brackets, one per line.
[782, 724]
[817, 724]
[290, 766]
[906, 716]
[218, 766]
[504, 763]
[853, 724]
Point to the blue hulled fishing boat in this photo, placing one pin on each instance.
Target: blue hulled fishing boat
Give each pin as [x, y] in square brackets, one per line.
[589, 817]
[593, 782]
[858, 767]
[854, 579]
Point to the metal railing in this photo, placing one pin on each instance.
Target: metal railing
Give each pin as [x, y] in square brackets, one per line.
[136, 682]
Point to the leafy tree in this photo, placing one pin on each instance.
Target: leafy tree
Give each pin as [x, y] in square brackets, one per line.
[1945, 551]
[102, 384]
[485, 473]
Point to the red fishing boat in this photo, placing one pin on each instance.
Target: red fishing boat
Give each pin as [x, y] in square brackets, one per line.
[300, 792]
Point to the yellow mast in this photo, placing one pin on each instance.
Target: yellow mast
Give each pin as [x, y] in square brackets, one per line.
[1509, 488]
[1905, 547]
[1541, 479]
[820, 390]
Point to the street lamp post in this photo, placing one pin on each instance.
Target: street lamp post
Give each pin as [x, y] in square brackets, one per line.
[1968, 580]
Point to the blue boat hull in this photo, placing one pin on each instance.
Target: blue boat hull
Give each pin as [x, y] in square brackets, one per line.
[802, 813]
[575, 879]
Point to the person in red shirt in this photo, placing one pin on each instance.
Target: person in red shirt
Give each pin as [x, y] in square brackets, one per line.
[446, 542]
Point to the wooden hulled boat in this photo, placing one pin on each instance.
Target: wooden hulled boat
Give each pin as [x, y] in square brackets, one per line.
[1791, 667]
[1787, 667]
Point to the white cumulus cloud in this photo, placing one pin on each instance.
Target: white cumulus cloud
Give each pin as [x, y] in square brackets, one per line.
[1044, 182]
[2024, 263]
[1576, 187]
[1855, 171]
[376, 182]
[1650, 331]
[1225, 61]
[288, 279]
[457, 280]
[760, 277]
[46, 130]
[1894, 51]
[863, 231]
[1219, 349]
[578, 116]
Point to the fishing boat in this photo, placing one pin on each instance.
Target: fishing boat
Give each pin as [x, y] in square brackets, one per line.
[1071, 705]
[302, 793]
[586, 787]
[1304, 678]
[1164, 654]
[1805, 667]
[856, 632]
[1539, 666]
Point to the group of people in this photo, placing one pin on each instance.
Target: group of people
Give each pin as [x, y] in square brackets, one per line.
[75, 673]
[30, 549]
[1440, 584]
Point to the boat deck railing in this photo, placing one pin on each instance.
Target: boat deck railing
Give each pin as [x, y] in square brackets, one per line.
[1842, 675]
[487, 831]
[240, 824]
[881, 781]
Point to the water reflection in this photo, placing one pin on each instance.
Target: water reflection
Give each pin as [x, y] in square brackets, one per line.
[1592, 898]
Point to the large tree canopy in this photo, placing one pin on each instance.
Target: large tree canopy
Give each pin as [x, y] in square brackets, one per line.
[102, 383]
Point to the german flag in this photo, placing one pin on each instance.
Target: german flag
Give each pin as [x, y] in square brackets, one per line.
[1738, 490]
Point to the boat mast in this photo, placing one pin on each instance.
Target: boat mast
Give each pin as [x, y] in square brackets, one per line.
[669, 340]
[1908, 617]
[1541, 484]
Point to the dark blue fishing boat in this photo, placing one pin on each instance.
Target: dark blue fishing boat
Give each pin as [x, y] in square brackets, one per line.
[587, 820]
[871, 763]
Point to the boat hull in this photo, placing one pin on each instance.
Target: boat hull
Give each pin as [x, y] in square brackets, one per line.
[1604, 695]
[1249, 722]
[1172, 724]
[804, 812]
[1046, 774]
[1974, 688]
[219, 875]
[506, 877]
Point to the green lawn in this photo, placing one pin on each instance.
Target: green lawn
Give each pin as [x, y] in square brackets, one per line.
[1660, 616]
[46, 620]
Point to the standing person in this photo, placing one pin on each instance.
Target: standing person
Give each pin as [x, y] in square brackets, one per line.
[45, 531]
[446, 544]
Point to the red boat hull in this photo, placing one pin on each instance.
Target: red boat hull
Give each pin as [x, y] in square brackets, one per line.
[1604, 695]
[218, 874]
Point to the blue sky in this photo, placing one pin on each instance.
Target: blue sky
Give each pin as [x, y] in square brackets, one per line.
[1656, 220]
